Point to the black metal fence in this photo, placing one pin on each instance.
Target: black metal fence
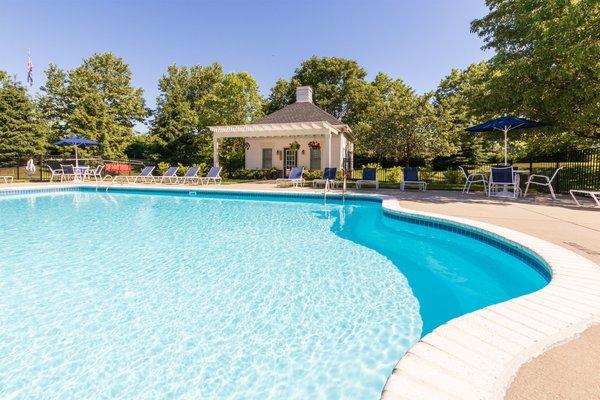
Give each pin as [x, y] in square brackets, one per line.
[581, 170]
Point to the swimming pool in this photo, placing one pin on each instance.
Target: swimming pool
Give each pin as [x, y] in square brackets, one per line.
[165, 295]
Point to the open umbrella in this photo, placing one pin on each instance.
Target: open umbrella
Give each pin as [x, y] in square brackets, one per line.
[505, 124]
[77, 142]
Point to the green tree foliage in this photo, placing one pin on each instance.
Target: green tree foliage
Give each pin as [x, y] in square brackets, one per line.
[547, 61]
[458, 102]
[403, 125]
[22, 131]
[193, 98]
[333, 80]
[95, 100]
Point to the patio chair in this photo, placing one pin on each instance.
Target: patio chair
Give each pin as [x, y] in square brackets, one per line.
[144, 176]
[472, 178]
[294, 178]
[170, 176]
[190, 175]
[329, 175]
[369, 177]
[214, 175]
[95, 173]
[594, 194]
[55, 170]
[411, 177]
[542, 180]
[7, 178]
[503, 177]
[68, 171]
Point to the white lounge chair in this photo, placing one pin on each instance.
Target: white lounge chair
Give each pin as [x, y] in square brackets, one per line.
[170, 176]
[594, 194]
[191, 175]
[294, 178]
[7, 178]
[95, 173]
[144, 176]
[369, 177]
[68, 172]
[214, 176]
[542, 180]
[411, 177]
[472, 178]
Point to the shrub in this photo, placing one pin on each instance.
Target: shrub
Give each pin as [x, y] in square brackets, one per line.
[313, 174]
[393, 175]
[453, 176]
[162, 167]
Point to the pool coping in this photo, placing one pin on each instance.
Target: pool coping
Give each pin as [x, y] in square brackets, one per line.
[476, 355]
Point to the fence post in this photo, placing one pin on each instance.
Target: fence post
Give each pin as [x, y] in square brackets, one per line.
[557, 184]
[41, 162]
[530, 165]
[18, 167]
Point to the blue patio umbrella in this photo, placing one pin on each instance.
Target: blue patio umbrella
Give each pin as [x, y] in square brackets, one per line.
[505, 124]
[77, 142]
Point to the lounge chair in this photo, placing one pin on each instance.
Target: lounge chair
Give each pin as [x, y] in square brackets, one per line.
[68, 172]
[505, 178]
[369, 177]
[7, 178]
[144, 176]
[191, 175]
[472, 178]
[542, 180]
[411, 177]
[170, 176]
[55, 170]
[594, 194]
[294, 178]
[329, 175]
[214, 175]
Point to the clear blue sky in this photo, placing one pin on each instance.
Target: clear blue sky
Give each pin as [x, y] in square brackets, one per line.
[418, 40]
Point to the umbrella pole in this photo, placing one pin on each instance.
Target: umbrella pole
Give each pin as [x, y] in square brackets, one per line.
[505, 145]
[76, 158]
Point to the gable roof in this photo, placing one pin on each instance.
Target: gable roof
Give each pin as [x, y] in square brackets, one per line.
[299, 112]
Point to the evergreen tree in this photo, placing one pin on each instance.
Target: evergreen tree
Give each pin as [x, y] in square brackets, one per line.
[22, 131]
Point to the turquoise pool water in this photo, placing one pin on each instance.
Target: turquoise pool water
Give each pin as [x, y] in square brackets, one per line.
[150, 296]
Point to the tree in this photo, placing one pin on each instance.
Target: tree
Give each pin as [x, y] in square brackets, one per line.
[403, 125]
[547, 61]
[22, 131]
[96, 100]
[332, 78]
[459, 102]
[190, 100]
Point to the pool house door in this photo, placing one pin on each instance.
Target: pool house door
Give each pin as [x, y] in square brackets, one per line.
[290, 160]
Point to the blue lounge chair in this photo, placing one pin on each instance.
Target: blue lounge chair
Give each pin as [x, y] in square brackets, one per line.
[369, 177]
[144, 176]
[411, 177]
[170, 176]
[294, 178]
[191, 175]
[214, 175]
[329, 175]
[471, 178]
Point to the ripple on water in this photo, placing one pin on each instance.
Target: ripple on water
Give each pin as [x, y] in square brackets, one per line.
[129, 296]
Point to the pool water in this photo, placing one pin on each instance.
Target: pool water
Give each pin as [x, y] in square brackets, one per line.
[158, 296]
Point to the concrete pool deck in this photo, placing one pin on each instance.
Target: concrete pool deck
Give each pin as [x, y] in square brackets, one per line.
[459, 360]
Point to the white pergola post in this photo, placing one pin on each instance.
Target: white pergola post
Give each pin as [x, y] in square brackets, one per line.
[215, 150]
[328, 149]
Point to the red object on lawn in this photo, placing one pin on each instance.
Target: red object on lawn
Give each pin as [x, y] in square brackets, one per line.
[117, 168]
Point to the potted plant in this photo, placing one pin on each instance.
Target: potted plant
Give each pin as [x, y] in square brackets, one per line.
[313, 144]
[294, 146]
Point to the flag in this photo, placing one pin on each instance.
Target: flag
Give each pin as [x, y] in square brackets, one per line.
[29, 71]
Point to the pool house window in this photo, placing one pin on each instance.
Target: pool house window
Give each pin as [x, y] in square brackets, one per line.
[315, 158]
[267, 158]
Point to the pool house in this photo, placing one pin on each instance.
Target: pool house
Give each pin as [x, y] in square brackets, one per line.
[299, 134]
